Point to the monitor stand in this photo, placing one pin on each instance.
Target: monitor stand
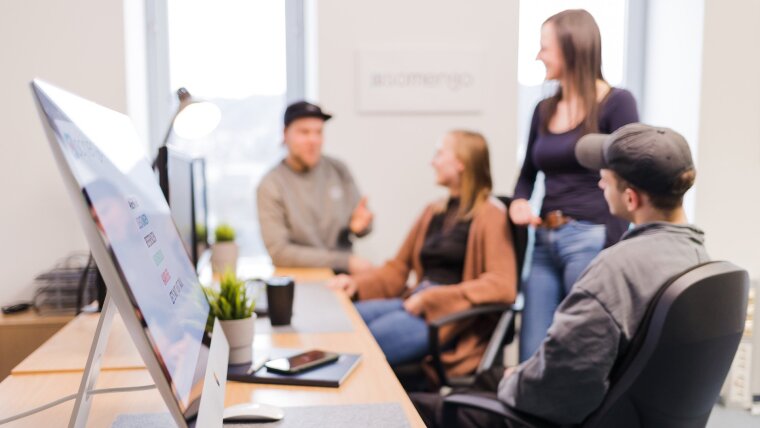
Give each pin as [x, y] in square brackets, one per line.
[92, 368]
[211, 405]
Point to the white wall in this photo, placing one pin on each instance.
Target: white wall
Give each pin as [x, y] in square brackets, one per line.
[728, 169]
[390, 154]
[673, 72]
[75, 44]
[674, 66]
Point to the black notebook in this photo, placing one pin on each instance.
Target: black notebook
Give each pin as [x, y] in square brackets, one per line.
[329, 375]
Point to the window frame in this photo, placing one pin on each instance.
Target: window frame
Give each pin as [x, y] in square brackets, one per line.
[161, 98]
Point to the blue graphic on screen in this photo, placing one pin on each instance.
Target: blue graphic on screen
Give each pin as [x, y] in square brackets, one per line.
[134, 222]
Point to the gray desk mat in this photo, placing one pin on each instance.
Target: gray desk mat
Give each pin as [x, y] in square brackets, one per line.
[384, 415]
[316, 309]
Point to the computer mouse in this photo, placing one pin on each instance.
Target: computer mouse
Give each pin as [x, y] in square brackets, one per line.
[252, 412]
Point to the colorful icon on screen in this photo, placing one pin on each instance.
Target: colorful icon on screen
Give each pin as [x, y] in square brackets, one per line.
[133, 204]
[158, 257]
[176, 289]
[142, 221]
[150, 239]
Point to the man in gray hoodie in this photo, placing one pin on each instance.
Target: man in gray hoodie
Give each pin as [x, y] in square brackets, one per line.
[309, 205]
[645, 171]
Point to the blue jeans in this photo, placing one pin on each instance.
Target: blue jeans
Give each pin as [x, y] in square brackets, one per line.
[402, 336]
[559, 258]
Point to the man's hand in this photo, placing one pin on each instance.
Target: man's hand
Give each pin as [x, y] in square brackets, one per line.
[413, 304]
[343, 283]
[521, 213]
[361, 218]
[358, 265]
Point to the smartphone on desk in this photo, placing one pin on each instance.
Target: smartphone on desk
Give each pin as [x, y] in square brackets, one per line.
[301, 362]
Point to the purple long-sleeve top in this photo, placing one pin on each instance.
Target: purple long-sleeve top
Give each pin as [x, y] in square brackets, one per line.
[569, 186]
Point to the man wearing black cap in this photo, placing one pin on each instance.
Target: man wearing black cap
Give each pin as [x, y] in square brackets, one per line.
[309, 205]
[645, 172]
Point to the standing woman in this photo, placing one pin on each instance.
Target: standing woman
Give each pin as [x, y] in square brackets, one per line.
[574, 223]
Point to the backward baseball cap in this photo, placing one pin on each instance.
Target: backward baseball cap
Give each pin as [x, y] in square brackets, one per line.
[650, 158]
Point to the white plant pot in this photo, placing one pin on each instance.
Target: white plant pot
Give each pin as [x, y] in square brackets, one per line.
[224, 256]
[240, 337]
[200, 248]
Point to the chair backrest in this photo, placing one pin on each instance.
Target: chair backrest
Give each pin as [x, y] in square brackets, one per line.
[677, 362]
[504, 329]
[519, 237]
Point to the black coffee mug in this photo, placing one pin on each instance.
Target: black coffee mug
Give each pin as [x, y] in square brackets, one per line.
[280, 293]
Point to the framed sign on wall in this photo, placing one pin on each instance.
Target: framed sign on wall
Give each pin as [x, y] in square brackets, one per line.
[421, 80]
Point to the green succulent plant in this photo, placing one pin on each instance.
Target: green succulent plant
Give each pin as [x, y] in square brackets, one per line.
[225, 233]
[201, 232]
[232, 301]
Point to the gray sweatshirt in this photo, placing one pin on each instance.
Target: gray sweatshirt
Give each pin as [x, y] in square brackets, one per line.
[567, 378]
[304, 216]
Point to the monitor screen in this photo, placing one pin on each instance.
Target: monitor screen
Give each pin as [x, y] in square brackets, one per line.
[106, 158]
[200, 204]
[182, 199]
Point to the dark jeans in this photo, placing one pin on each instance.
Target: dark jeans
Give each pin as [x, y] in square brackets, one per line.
[430, 405]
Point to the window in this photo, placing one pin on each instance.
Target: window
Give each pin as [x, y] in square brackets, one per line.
[233, 53]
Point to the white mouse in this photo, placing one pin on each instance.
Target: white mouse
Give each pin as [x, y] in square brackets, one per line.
[252, 412]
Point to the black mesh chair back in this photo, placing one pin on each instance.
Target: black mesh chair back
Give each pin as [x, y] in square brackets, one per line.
[504, 331]
[673, 370]
[520, 238]
[677, 362]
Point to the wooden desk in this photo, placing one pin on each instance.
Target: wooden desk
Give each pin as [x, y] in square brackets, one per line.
[19, 393]
[54, 370]
[21, 334]
[71, 345]
[67, 350]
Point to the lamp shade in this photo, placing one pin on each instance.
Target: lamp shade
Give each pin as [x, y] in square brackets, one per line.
[194, 120]
[197, 120]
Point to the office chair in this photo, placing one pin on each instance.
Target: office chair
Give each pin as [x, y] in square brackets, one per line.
[677, 361]
[503, 333]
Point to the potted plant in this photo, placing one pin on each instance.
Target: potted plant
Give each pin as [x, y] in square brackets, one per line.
[234, 308]
[201, 237]
[224, 253]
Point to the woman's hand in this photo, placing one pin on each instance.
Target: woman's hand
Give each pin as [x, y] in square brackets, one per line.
[521, 213]
[413, 304]
[343, 283]
[357, 264]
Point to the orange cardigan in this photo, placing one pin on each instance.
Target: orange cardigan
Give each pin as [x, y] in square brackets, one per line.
[489, 276]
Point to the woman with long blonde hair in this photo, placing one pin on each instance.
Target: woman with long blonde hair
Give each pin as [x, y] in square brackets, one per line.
[461, 252]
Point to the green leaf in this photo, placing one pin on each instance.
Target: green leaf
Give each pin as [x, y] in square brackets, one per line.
[226, 308]
[224, 233]
[231, 301]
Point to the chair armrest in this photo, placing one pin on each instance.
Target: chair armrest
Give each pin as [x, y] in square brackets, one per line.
[490, 404]
[434, 345]
[469, 313]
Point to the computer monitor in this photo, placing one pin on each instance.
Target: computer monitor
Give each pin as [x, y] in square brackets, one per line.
[135, 243]
[187, 200]
[200, 203]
